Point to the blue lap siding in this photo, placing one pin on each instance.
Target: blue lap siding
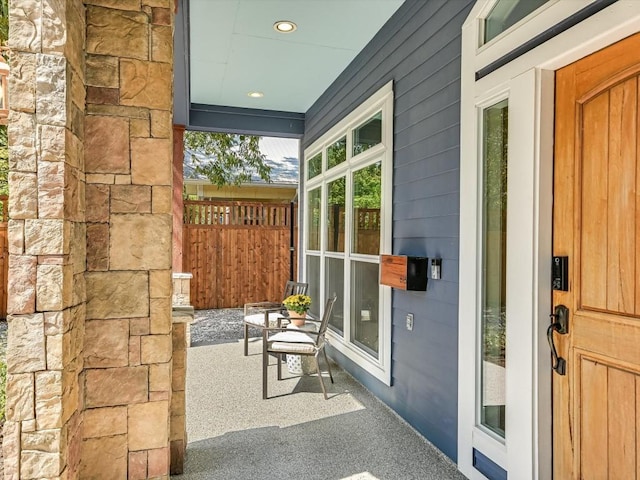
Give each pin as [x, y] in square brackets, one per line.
[419, 50]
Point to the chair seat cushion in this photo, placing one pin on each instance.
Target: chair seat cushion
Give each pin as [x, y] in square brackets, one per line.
[258, 319]
[300, 348]
[292, 342]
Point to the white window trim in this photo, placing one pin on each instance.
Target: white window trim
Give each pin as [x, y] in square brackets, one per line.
[382, 100]
[529, 79]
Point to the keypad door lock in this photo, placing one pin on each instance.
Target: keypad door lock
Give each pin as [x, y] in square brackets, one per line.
[560, 273]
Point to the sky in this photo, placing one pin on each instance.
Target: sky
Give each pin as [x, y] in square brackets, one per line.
[277, 148]
[282, 156]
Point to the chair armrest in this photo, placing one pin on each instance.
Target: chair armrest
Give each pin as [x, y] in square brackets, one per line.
[262, 306]
[266, 331]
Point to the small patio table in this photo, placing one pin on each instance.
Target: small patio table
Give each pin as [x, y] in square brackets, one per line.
[299, 364]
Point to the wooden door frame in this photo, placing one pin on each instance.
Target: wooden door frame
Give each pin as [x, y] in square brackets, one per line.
[530, 79]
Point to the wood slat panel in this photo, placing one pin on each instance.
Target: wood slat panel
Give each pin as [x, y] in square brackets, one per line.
[233, 258]
[621, 227]
[593, 421]
[595, 149]
[608, 335]
[622, 414]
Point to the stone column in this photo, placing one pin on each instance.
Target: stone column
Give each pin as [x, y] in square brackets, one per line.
[46, 301]
[89, 343]
[128, 164]
[178, 203]
[182, 318]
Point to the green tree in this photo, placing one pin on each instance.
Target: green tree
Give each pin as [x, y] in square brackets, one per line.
[367, 188]
[227, 159]
[4, 22]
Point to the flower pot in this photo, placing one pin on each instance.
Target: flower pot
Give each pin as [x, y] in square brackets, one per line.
[296, 318]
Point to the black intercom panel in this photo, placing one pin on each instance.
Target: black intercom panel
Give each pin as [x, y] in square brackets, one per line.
[560, 273]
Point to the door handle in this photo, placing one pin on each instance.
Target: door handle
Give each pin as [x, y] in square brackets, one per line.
[560, 324]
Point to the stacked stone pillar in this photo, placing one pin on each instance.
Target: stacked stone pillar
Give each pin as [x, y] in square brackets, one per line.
[90, 348]
[128, 165]
[182, 318]
[46, 301]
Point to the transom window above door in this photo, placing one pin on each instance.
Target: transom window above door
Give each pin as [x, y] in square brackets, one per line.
[505, 14]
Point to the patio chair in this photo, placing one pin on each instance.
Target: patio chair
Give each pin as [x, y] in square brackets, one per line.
[268, 314]
[286, 341]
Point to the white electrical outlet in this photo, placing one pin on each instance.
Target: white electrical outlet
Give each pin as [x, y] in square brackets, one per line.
[409, 321]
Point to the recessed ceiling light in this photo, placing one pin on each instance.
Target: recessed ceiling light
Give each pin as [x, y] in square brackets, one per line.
[284, 26]
[255, 94]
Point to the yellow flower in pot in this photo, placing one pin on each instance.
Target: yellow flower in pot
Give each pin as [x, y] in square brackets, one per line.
[297, 306]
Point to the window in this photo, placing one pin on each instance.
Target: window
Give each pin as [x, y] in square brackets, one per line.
[335, 215]
[505, 14]
[493, 314]
[365, 326]
[346, 232]
[314, 167]
[366, 210]
[334, 283]
[337, 153]
[368, 135]
[313, 278]
[313, 219]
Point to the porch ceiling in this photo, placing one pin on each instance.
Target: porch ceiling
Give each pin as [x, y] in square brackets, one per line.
[235, 50]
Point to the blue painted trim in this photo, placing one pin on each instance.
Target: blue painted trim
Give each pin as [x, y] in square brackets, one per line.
[246, 120]
[487, 467]
[545, 36]
[181, 65]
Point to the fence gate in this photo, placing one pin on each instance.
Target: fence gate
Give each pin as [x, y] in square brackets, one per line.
[238, 252]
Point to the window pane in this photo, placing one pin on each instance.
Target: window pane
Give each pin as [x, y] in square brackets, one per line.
[506, 13]
[366, 210]
[364, 306]
[335, 215]
[494, 256]
[313, 219]
[314, 167]
[368, 134]
[334, 283]
[337, 153]
[313, 279]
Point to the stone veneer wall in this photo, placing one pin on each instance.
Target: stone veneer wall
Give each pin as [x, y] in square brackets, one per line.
[182, 318]
[128, 164]
[46, 301]
[89, 352]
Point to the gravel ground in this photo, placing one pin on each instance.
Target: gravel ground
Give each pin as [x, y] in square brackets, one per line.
[212, 327]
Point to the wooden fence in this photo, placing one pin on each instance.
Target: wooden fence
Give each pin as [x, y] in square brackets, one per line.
[366, 232]
[238, 252]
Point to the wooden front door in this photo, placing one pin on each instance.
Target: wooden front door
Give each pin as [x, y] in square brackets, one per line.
[596, 404]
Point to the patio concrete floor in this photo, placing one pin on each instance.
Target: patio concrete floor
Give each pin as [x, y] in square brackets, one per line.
[296, 434]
